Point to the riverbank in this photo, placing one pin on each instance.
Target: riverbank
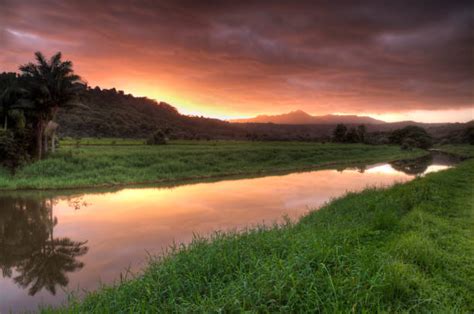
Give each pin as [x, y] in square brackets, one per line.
[406, 248]
[465, 151]
[107, 163]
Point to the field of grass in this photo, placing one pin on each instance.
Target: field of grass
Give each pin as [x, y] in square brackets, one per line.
[99, 164]
[67, 141]
[460, 150]
[407, 248]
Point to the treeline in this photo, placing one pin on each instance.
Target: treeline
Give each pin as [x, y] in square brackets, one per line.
[112, 113]
[408, 137]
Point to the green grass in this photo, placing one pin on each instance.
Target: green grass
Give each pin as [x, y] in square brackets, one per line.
[101, 141]
[409, 248]
[106, 165]
[460, 150]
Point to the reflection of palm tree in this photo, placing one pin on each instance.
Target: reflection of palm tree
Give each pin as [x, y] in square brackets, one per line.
[16, 233]
[27, 243]
[48, 266]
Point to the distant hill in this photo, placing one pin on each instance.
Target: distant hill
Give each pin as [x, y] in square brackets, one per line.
[111, 113]
[301, 117]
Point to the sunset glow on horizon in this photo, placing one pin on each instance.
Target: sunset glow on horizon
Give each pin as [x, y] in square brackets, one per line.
[227, 60]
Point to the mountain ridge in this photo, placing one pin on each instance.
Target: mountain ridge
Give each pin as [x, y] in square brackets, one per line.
[301, 117]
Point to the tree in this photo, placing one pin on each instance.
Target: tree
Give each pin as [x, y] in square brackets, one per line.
[339, 133]
[361, 132]
[52, 85]
[468, 136]
[352, 136]
[411, 136]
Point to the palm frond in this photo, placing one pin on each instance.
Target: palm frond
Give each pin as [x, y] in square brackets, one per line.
[55, 60]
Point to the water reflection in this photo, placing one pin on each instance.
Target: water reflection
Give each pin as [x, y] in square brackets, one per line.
[43, 247]
[29, 247]
[415, 166]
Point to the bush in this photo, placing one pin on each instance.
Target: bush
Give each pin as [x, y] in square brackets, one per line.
[14, 148]
[408, 144]
[157, 138]
[469, 136]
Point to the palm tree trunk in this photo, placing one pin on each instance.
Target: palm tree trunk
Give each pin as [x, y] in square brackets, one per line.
[39, 139]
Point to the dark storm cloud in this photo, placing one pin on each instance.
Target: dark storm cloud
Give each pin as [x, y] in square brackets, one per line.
[375, 56]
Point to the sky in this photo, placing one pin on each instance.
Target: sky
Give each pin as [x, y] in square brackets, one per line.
[393, 60]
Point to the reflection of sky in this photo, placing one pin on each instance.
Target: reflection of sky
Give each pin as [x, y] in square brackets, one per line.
[122, 226]
[435, 168]
[385, 169]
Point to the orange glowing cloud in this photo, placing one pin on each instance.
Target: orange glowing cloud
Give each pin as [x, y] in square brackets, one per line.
[228, 59]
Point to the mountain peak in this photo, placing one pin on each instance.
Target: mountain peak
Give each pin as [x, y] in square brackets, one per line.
[301, 117]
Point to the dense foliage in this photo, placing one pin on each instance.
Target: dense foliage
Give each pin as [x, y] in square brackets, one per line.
[111, 113]
[357, 134]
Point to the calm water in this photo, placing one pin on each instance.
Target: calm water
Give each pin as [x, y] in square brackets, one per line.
[51, 243]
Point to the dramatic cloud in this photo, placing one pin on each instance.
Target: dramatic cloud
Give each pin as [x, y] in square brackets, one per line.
[247, 57]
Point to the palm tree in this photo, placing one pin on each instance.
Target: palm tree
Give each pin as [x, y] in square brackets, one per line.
[52, 85]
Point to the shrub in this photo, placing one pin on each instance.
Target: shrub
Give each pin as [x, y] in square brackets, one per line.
[157, 138]
[14, 148]
[408, 144]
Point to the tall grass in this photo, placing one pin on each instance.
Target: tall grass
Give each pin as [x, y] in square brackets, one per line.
[403, 249]
[102, 165]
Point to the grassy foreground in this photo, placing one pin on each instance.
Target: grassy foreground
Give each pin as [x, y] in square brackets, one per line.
[91, 164]
[406, 248]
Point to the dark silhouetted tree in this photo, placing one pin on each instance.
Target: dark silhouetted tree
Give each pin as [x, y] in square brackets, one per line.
[411, 136]
[52, 85]
[339, 133]
[352, 136]
[361, 132]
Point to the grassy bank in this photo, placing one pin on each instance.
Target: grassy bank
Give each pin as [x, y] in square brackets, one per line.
[460, 150]
[407, 248]
[104, 165]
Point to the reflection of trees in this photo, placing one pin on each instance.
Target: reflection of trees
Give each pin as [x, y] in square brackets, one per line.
[413, 166]
[28, 245]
